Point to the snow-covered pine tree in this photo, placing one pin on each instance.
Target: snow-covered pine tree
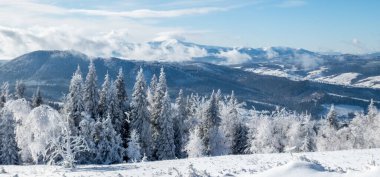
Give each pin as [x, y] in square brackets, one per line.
[332, 117]
[109, 147]
[37, 98]
[231, 120]
[4, 94]
[134, 149]
[179, 127]
[74, 105]
[87, 131]
[20, 89]
[372, 111]
[307, 134]
[240, 140]
[90, 92]
[165, 140]
[120, 120]
[156, 110]
[209, 129]
[151, 91]
[9, 154]
[139, 115]
[195, 147]
[104, 96]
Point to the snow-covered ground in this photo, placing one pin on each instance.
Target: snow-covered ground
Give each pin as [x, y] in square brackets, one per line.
[351, 163]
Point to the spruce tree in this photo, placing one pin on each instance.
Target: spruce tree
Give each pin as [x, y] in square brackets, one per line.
[139, 115]
[109, 147]
[4, 94]
[134, 149]
[90, 93]
[332, 117]
[179, 127]
[74, 105]
[210, 125]
[122, 106]
[20, 89]
[165, 140]
[104, 96]
[240, 139]
[37, 98]
[157, 107]
[8, 145]
[372, 110]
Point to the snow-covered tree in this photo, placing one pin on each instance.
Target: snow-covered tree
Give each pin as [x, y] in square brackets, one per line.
[64, 149]
[232, 121]
[109, 147]
[240, 140]
[121, 106]
[210, 132]
[157, 107]
[74, 105]
[9, 154]
[20, 89]
[165, 138]
[139, 115]
[332, 117]
[134, 149]
[37, 98]
[308, 134]
[104, 96]
[151, 91]
[327, 136]
[90, 92]
[179, 126]
[372, 110]
[87, 131]
[42, 125]
[4, 94]
[261, 138]
[195, 147]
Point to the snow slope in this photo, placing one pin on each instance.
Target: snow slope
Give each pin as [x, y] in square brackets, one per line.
[351, 163]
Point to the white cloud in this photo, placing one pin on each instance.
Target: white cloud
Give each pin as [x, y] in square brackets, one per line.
[15, 42]
[233, 56]
[147, 13]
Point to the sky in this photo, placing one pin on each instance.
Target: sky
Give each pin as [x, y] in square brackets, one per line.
[109, 26]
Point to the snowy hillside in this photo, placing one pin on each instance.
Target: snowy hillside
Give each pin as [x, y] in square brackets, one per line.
[352, 163]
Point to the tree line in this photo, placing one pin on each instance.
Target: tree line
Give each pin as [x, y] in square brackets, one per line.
[105, 126]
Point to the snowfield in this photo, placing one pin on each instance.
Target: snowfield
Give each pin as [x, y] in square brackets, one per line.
[350, 163]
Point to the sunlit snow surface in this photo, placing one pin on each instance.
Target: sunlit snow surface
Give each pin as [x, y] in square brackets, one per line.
[352, 163]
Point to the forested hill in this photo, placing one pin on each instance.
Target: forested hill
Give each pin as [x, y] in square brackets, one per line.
[52, 70]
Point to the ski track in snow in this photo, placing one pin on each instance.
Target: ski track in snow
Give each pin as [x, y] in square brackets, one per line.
[350, 163]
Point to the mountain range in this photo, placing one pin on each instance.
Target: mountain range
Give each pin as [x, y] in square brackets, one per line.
[292, 88]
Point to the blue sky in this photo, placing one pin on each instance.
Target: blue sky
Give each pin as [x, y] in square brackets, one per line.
[349, 26]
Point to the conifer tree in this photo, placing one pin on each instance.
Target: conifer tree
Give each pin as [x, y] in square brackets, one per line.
[74, 105]
[104, 96]
[122, 106]
[37, 98]
[157, 108]
[109, 147]
[332, 117]
[165, 140]
[179, 127]
[139, 115]
[4, 94]
[134, 149]
[90, 93]
[20, 89]
[8, 146]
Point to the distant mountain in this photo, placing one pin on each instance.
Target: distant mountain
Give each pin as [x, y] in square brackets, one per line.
[52, 70]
